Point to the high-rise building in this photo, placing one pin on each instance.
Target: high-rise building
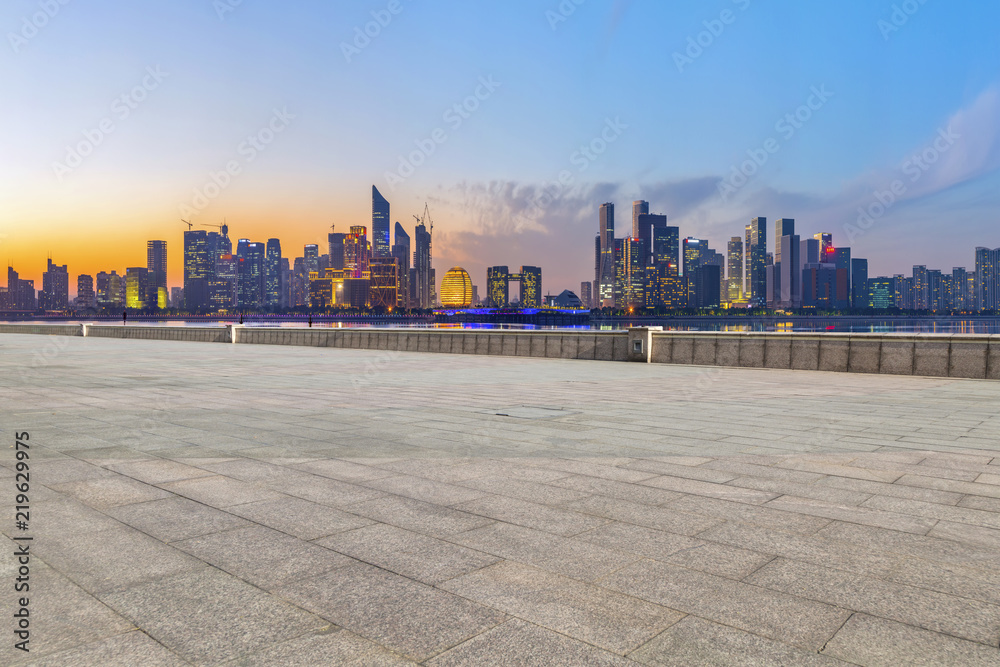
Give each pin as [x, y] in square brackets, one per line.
[401, 253]
[639, 208]
[384, 283]
[380, 225]
[694, 251]
[988, 279]
[921, 294]
[881, 293]
[55, 288]
[286, 284]
[272, 274]
[310, 255]
[300, 283]
[860, 289]
[108, 288]
[20, 293]
[630, 272]
[250, 275]
[497, 287]
[586, 293]
[757, 260]
[156, 266]
[136, 287]
[335, 241]
[530, 280]
[651, 227]
[782, 227]
[222, 288]
[356, 251]
[85, 297]
[605, 277]
[422, 282]
[959, 289]
[786, 276]
[177, 297]
[735, 265]
[665, 247]
[198, 269]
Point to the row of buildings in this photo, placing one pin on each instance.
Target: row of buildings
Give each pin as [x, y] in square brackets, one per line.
[355, 272]
[655, 268]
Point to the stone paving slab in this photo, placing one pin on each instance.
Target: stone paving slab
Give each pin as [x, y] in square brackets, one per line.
[255, 505]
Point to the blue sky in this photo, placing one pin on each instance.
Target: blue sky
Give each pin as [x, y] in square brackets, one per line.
[557, 80]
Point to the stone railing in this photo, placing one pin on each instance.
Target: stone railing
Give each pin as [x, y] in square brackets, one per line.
[938, 355]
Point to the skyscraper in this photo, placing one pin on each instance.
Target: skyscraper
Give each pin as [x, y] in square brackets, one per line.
[606, 271]
[310, 254]
[136, 287]
[735, 266]
[639, 208]
[630, 272]
[250, 274]
[988, 279]
[156, 265]
[336, 243]
[85, 298]
[380, 225]
[585, 293]
[694, 249]
[757, 260]
[401, 252]
[497, 287]
[859, 284]
[921, 293]
[422, 272]
[356, 251]
[55, 287]
[198, 269]
[272, 274]
[531, 286]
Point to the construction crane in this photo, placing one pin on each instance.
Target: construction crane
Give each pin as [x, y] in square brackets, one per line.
[427, 222]
[188, 223]
[223, 227]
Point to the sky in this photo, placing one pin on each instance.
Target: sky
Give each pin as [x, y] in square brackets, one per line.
[875, 120]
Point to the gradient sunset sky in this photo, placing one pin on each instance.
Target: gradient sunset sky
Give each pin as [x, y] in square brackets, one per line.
[671, 118]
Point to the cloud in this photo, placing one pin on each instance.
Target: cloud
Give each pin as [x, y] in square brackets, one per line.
[515, 223]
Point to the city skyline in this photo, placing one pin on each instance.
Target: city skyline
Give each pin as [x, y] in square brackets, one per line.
[511, 156]
[652, 267]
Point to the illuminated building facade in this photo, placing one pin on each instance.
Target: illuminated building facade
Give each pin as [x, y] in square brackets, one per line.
[401, 253]
[734, 286]
[757, 262]
[988, 279]
[384, 285]
[605, 274]
[380, 225]
[456, 288]
[497, 287]
[356, 252]
[136, 287]
[272, 274]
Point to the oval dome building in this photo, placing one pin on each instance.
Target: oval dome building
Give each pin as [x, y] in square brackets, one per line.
[456, 288]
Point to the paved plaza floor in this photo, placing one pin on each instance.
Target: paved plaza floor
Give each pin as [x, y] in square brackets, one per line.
[214, 504]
